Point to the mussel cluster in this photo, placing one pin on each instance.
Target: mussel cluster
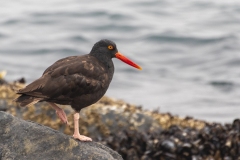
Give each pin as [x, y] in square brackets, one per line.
[213, 142]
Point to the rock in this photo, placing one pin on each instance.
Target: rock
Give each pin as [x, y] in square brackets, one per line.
[131, 131]
[27, 140]
[106, 117]
[3, 105]
[2, 75]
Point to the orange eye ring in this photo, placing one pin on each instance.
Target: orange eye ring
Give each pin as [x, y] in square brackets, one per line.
[110, 47]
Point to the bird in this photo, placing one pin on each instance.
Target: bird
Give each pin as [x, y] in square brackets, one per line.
[78, 81]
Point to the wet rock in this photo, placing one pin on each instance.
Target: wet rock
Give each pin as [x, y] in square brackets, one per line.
[186, 151]
[23, 140]
[3, 105]
[2, 75]
[21, 80]
[168, 146]
[236, 125]
[2, 82]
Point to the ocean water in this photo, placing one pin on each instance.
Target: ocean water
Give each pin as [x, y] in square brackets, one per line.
[189, 50]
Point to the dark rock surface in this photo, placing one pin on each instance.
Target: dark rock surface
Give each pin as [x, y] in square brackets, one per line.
[21, 139]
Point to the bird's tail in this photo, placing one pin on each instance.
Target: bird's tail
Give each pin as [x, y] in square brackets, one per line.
[26, 100]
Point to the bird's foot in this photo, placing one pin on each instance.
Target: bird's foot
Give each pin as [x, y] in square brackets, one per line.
[82, 138]
[62, 115]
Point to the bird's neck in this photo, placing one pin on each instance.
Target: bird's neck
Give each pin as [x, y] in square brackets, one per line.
[104, 59]
[107, 63]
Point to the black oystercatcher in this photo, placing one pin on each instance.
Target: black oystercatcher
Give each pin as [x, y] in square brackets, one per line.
[78, 81]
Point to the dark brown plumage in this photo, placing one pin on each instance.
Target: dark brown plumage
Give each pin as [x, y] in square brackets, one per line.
[78, 81]
[71, 80]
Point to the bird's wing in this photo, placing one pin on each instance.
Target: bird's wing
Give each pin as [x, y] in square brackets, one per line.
[60, 62]
[65, 82]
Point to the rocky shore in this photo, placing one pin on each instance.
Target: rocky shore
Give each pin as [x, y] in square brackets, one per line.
[24, 140]
[136, 134]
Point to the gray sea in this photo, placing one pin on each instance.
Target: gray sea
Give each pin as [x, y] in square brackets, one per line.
[189, 50]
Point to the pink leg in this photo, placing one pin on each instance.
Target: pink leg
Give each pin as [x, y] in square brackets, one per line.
[60, 112]
[76, 134]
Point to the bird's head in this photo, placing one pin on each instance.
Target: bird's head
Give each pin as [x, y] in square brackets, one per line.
[107, 48]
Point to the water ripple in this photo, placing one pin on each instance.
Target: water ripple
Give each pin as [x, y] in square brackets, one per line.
[186, 40]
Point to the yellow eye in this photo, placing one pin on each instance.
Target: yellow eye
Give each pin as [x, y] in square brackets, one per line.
[110, 47]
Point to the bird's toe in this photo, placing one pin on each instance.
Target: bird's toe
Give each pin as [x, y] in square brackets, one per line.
[82, 138]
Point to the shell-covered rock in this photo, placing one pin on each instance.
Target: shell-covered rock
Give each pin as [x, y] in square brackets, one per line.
[136, 133]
